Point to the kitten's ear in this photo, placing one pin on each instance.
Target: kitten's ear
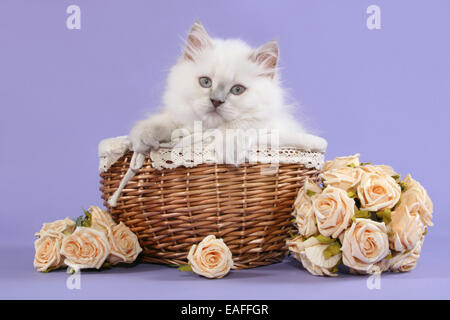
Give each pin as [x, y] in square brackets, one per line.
[267, 57]
[197, 40]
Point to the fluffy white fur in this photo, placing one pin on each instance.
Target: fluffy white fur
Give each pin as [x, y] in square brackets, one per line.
[227, 63]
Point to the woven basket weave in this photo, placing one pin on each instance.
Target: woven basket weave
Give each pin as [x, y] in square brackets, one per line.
[172, 209]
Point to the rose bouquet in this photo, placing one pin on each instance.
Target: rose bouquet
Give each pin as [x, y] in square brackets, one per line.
[92, 241]
[362, 216]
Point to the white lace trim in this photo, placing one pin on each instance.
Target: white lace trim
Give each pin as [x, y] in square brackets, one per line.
[110, 150]
[166, 158]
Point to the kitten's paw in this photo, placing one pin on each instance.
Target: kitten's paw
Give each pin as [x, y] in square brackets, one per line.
[143, 139]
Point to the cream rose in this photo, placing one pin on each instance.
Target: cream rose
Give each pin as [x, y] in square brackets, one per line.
[310, 253]
[101, 220]
[85, 248]
[416, 196]
[58, 227]
[382, 170]
[377, 192]
[346, 178]
[47, 256]
[303, 209]
[211, 258]
[406, 227]
[365, 245]
[406, 261]
[124, 245]
[334, 211]
[387, 170]
[340, 162]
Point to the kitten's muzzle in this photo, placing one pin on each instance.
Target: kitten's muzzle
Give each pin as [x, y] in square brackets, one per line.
[216, 103]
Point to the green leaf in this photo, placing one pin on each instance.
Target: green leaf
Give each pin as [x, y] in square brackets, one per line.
[336, 267]
[387, 218]
[362, 214]
[107, 265]
[291, 234]
[87, 221]
[425, 232]
[84, 221]
[396, 177]
[389, 256]
[325, 240]
[373, 216]
[310, 193]
[384, 215]
[403, 186]
[186, 267]
[351, 194]
[365, 163]
[351, 165]
[332, 250]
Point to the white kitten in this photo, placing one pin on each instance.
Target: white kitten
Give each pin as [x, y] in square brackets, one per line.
[227, 85]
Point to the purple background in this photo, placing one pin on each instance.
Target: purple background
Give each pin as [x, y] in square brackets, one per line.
[382, 93]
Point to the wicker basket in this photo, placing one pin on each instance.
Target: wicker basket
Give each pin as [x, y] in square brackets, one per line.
[172, 209]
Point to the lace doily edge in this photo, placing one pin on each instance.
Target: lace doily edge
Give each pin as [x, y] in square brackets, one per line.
[110, 150]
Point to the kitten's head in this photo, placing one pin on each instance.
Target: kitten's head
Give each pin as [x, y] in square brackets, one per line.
[219, 81]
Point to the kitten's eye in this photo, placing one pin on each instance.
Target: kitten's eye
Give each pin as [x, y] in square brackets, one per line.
[237, 89]
[205, 82]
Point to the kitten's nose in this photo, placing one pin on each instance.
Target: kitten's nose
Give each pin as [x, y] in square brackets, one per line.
[216, 103]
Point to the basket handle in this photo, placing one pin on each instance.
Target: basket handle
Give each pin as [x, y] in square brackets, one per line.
[137, 160]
